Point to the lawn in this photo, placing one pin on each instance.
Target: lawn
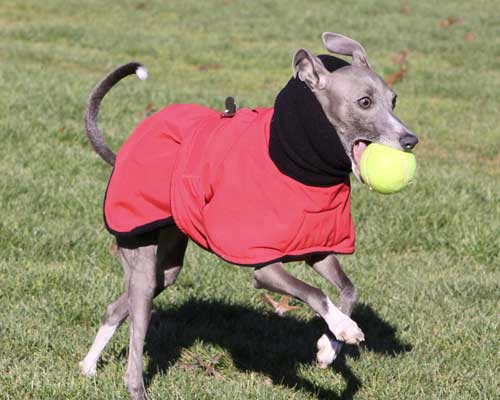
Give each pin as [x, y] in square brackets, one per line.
[427, 260]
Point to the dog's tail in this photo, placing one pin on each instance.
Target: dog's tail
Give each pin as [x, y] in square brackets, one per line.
[92, 110]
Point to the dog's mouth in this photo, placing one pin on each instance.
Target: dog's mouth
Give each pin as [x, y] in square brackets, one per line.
[357, 150]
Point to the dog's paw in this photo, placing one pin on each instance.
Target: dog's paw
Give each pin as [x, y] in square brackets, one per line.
[87, 369]
[346, 330]
[328, 350]
[343, 327]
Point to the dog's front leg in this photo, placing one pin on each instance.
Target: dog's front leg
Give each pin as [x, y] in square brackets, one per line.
[329, 267]
[274, 277]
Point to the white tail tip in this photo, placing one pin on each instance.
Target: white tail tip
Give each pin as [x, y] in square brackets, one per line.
[142, 73]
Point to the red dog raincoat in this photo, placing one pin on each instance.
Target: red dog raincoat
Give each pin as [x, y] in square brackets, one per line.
[215, 178]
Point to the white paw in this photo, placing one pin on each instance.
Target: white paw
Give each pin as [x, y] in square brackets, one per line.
[328, 350]
[343, 327]
[87, 369]
[346, 330]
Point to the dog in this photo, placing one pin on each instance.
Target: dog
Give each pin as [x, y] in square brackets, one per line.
[313, 137]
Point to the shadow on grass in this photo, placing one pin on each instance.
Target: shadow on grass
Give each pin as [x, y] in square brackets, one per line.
[261, 342]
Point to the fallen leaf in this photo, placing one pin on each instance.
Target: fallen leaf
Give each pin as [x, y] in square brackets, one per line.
[150, 109]
[400, 58]
[113, 249]
[206, 67]
[188, 367]
[396, 76]
[406, 10]
[192, 362]
[445, 23]
[280, 307]
[469, 37]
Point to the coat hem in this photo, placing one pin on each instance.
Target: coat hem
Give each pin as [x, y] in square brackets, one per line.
[284, 258]
[137, 231]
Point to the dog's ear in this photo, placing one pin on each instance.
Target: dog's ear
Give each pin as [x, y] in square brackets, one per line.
[309, 69]
[340, 44]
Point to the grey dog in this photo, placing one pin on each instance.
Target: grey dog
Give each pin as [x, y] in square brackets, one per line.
[359, 104]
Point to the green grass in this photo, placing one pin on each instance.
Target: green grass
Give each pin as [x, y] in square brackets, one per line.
[426, 265]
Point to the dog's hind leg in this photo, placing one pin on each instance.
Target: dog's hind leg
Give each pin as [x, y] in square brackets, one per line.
[168, 261]
[274, 277]
[113, 317]
[152, 268]
[329, 267]
[141, 289]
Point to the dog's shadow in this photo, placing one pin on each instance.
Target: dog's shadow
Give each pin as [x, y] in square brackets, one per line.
[262, 342]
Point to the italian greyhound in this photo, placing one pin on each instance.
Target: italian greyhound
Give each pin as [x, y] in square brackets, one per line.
[358, 103]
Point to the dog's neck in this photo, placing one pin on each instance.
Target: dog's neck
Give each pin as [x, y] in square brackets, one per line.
[303, 144]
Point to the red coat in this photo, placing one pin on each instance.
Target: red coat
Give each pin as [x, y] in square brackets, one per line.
[214, 176]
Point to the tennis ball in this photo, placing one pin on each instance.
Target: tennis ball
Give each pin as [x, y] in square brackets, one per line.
[386, 170]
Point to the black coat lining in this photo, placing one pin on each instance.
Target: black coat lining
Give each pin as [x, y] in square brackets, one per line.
[303, 143]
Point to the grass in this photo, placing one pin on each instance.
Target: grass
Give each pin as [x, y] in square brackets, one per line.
[426, 264]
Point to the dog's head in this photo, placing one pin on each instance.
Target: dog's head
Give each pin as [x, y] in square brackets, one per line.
[356, 100]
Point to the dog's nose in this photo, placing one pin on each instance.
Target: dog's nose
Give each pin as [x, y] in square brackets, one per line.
[408, 141]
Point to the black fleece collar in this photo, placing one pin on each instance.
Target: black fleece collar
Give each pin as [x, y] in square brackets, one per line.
[303, 144]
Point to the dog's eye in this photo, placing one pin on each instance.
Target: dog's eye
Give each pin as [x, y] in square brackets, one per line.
[365, 102]
[394, 102]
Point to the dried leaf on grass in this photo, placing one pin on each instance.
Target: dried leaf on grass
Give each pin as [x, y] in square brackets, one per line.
[192, 362]
[406, 10]
[447, 22]
[113, 249]
[469, 37]
[150, 109]
[207, 67]
[401, 60]
[280, 307]
[396, 76]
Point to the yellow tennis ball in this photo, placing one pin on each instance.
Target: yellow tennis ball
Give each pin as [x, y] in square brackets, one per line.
[386, 170]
